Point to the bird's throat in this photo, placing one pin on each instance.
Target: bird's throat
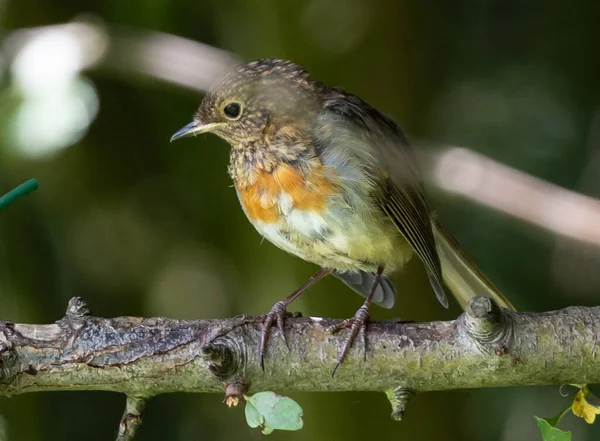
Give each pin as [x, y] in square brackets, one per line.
[250, 161]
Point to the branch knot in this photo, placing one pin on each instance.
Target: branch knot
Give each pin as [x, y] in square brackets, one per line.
[487, 325]
[399, 398]
[227, 355]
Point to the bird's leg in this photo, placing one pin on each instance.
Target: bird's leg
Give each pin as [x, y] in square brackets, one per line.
[279, 312]
[357, 324]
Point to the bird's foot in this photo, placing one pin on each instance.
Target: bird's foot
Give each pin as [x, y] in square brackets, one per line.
[357, 325]
[277, 316]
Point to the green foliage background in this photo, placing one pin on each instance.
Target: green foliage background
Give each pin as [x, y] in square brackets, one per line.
[140, 227]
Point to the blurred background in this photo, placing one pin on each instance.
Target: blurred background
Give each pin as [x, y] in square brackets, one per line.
[501, 98]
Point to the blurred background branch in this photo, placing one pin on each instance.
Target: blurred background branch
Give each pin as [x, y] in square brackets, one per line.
[518, 194]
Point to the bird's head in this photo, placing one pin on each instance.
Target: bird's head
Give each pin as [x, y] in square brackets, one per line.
[254, 100]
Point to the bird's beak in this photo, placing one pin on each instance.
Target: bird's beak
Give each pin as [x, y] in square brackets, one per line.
[193, 128]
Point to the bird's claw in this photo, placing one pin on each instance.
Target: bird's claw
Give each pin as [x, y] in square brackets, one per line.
[357, 324]
[277, 315]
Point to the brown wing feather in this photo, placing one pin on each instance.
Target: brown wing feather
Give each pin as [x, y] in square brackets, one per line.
[402, 197]
[402, 206]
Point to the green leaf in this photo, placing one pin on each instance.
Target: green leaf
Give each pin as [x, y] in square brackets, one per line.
[253, 417]
[273, 412]
[550, 433]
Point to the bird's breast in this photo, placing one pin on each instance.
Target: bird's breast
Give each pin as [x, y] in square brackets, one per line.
[270, 195]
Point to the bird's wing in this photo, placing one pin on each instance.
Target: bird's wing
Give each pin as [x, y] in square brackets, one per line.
[402, 196]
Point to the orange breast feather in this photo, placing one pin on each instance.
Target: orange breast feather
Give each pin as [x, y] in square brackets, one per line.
[308, 192]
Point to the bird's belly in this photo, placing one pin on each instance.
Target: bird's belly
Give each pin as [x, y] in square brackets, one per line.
[336, 238]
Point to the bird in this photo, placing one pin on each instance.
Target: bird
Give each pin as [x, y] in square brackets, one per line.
[325, 176]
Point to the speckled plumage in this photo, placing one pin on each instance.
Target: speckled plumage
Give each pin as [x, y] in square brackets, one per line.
[286, 125]
[325, 176]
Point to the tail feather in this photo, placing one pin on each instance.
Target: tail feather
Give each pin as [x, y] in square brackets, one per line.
[438, 289]
[461, 275]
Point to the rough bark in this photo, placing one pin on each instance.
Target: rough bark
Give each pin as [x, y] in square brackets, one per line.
[142, 357]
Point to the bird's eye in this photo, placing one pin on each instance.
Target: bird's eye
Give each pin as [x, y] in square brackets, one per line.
[232, 110]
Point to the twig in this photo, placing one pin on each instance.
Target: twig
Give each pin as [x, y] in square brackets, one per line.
[132, 418]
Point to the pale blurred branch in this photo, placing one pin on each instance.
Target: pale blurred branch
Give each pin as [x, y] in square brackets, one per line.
[91, 44]
[502, 188]
[143, 357]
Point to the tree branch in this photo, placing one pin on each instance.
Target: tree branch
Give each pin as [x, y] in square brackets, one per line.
[142, 357]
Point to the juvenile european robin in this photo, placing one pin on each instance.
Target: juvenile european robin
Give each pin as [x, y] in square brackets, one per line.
[325, 176]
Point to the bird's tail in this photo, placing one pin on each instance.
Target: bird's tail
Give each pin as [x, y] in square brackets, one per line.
[461, 275]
